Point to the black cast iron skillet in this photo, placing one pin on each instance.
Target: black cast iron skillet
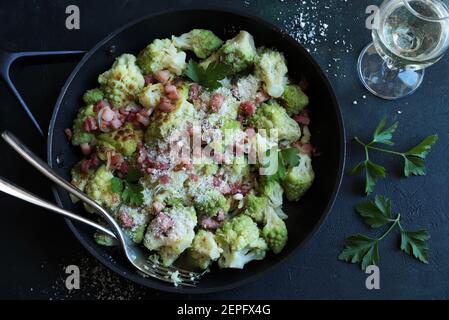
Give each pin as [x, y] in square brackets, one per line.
[327, 129]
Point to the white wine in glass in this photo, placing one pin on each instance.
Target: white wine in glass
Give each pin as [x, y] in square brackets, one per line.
[410, 35]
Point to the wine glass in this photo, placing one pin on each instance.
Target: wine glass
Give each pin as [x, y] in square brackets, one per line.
[408, 36]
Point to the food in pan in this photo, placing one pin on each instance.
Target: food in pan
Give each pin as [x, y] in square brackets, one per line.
[179, 142]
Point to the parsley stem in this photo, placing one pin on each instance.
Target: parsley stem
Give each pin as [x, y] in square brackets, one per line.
[396, 222]
[385, 150]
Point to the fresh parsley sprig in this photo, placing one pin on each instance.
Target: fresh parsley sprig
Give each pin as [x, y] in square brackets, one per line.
[378, 213]
[209, 77]
[413, 158]
[129, 189]
[288, 157]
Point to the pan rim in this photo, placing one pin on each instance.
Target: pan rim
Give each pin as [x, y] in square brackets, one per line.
[155, 284]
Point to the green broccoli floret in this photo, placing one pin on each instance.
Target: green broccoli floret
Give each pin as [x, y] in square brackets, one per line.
[272, 70]
[275, 231]
[255, 207]
[104, 239]
[81, 136]
[210, 202]
[166, 123]
[299, 179]
[273, 116]
[161, 55]
[123, 140]
[99, 188]
[204, 249]
[123, 82]
[133, 221]
[201, 42]
[171, 233]
[240, 240]
[272, 190]
[238, 53]
[92, 96]
[294, 99]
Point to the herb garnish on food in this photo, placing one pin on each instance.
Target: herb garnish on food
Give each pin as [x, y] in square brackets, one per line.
[129, 189]
[208, 77]
[365, 250]
[413, 158]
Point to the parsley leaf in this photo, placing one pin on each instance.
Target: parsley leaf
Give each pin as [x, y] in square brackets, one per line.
[373, 172]
[132, 194]
[291, 156]
[208, 77]
[422, 149]
[361, 249]
[116, 185]
[375, 213]
[414, 244]
[378, 213]
[413, 159]
[288, 157]
[382, 135]
[193, 71]
[133, 175]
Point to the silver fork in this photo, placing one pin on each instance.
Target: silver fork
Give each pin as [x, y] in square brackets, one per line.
[136, 256]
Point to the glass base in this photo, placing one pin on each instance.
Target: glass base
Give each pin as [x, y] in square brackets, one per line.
[390, 84]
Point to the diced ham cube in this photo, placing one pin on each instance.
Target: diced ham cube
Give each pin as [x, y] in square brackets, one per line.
[247, 108]
[162, 76]
[216, 101]
[165, 105]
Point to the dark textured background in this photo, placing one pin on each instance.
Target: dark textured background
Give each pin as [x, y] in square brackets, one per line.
[43, 245]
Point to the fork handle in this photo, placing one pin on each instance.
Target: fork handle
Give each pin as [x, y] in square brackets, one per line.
[40, 165]
[16, 191]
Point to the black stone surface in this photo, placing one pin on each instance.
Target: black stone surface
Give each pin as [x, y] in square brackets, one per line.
[36, 246]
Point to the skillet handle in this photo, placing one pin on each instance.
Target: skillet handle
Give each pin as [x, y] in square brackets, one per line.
[8, 58]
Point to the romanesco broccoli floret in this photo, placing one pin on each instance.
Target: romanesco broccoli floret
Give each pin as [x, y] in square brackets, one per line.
[204, 249]
[238, 171]
[92, 96]
[165, 124]
[255, 207]
[294, 99]
[240, 240]
[123, 140]
[272, 70]
[274, 231]
[273, 116]
[104, 239]
[133, 221]
[99, 188]
[238, 53]
[161, 55]
[122, 83]
[171, 233]
[210, 203]
[79, 179]
[271, 189]
[201, 42]
[80, 135]
[299, 179]
[151, 95]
